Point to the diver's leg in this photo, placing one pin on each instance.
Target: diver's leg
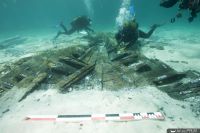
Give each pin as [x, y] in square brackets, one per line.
[72, 30]
[63, 26]
[59, 33]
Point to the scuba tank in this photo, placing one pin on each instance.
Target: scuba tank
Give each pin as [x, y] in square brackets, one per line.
[126, 13]
[132, 10]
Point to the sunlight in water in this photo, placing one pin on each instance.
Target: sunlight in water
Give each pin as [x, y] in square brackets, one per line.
[88, 4]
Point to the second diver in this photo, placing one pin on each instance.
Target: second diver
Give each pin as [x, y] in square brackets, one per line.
[78, 24]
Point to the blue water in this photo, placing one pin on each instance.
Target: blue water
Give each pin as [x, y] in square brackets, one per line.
[46, 14]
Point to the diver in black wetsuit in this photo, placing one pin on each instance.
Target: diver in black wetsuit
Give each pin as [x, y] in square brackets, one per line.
[78, 24]
[192, 5]
[130, 33]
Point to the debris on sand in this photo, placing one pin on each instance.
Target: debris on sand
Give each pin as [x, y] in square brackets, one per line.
[34, 84]
[112, 67]
[5, 111]
[142, 67]
[157, 47]
[169, 78]
[75, 77]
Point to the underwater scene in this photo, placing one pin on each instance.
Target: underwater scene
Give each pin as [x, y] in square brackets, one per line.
[103, 66]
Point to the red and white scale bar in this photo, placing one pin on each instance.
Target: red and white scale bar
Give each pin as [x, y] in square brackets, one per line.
[98, 117]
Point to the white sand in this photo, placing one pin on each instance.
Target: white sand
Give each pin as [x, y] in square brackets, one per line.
[177, 113]
[35, 44]
[180, 45]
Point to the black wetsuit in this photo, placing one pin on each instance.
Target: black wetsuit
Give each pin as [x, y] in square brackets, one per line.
[79, 24]
[129, 35]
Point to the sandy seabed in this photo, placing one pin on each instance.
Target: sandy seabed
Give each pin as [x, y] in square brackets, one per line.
[50, 102]
[183, 48]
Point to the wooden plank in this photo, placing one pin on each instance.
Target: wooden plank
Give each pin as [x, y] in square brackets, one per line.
[129, 59]
[75, 77]
[72, 62]
[34, 84]
[170, 78]
[87, 52]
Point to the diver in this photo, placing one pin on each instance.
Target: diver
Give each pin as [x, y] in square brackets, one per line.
[130, 32]
[78, 24]
[192, 5]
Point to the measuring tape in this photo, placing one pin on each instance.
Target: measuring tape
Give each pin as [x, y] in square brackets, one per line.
[98, 117]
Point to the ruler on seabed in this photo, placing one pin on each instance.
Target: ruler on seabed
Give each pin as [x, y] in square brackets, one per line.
[98, 117]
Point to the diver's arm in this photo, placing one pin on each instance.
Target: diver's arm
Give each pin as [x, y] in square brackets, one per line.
[168, 3]
[89, 29]
[142, 34]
